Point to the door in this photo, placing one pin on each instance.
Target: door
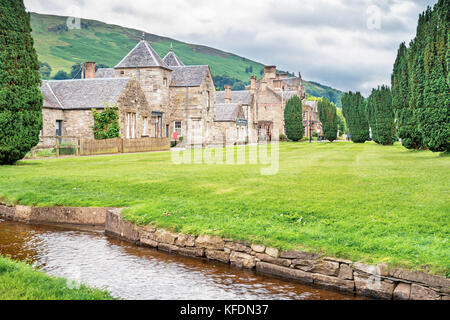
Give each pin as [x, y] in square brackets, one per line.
[59, 129]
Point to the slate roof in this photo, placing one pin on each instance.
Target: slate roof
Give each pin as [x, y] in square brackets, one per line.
[243, 97]
[227, 112]
[188, 76]
[142, 56]
[172, 60]
[105, 73]
[82, 94]
[286, 95]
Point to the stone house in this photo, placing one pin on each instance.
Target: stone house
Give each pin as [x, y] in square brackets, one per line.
[311, 121]
[68, 104]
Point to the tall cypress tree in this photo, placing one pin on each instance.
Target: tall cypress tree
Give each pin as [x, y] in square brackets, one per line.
[407, 126]
[355, 113]
[329, 119]
[20, 97]
[433, 114]
[293, 117]
[381, 116]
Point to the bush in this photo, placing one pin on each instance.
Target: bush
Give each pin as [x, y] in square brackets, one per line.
[106, 123]
[328, 117]
[355, 113]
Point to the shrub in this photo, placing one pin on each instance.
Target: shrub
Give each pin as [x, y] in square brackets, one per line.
[106, 123]
[328, 117]
[293, 117]
[355, 113]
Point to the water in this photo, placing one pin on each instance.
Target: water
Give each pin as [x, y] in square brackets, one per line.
[131, 272]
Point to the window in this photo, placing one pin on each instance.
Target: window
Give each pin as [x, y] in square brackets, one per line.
[165, 82]
[208, 102]
[178, 128]
[167, 130]
[145, 129]
[131, 126]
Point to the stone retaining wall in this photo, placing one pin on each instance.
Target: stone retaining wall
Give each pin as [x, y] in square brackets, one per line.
[309, 268]
[330, 273]
[55, 215]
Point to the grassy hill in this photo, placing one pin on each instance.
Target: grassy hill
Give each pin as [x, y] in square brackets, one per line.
[107, 44]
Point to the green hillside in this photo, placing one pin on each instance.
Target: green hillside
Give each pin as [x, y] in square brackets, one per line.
[107, 44]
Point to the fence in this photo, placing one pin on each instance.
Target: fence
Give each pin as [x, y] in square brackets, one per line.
[59, 146]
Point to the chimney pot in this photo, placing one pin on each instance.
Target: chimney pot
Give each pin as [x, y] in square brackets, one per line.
[227, 94]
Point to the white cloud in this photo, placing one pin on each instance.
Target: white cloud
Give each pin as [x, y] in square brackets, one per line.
[327, 40]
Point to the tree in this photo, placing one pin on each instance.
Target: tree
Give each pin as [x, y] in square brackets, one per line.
[355, 113]
[293, 117]
[407, 127]
[329, 119]
[433, 114]
[381, 116]
[45, 70]
[106, 123]
[20, 98]
[61, 75]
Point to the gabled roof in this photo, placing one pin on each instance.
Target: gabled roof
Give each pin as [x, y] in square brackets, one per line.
[227, 112]
[82, 94]
[172, 60]
[142, 56]
[105, 73]
[243, 97]
[188, 76]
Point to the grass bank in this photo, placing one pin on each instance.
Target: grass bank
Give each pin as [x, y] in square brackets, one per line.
[19, 281]
[364, 202]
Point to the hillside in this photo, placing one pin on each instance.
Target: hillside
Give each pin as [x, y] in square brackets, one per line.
[107, 44]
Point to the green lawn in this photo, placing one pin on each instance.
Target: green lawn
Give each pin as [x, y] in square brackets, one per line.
[19, 281]
[362, 202]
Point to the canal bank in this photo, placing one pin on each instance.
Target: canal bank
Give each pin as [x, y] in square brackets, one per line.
[300, 267]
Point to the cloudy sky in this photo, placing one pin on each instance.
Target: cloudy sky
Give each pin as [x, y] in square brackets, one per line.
[348, 44]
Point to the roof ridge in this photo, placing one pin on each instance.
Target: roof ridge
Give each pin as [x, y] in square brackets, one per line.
[51, 90]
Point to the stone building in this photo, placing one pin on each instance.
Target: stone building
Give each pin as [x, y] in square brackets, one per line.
[163, 97]
[311, 121]
[68, 104]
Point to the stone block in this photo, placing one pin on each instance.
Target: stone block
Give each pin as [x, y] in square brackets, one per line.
[315, 266]
[22, 214]
[242, 260]
[7, 212]
[273, 252]
[116, 226]
[423, 293]
[349, 262]
[210, 242]
[402, 291]
[266, 258]
[192, 252]
[163, 236]
[239, 247]
[184, 240]
[145, 242]
[421, 277]
[346, 272]
[283, 272]
[258, 248]
[216, 255]
[374, 286]
[334, 283]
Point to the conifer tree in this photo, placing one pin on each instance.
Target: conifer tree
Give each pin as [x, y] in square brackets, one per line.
[381, 116]
[355, 113]
[329, 119]
[20, 97]
[293, 117]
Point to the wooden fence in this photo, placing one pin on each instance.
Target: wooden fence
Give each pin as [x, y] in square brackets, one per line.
[85, 147]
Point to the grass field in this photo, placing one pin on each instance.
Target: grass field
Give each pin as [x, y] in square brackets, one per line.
[19, 281]
[362, 202]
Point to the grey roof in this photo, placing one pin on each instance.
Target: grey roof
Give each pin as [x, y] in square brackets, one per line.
[82, 94]
[243, 97]
[227, 112]
[105, 73]
[312, 104]
[188, 76]
[142, 56]
[286, 95]
[172, 60]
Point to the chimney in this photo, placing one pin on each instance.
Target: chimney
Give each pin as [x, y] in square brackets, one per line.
[89, 70]
[227, 94]
[270, 72]
[253, 83]
[277, 84]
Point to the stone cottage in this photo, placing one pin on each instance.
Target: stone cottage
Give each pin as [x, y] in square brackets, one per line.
[68, 104]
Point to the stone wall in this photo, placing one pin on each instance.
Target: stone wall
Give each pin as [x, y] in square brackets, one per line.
[376, 281]
[330, 273]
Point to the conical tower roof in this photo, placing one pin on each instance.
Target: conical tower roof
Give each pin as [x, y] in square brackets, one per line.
[171, 59]
[142, 56]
